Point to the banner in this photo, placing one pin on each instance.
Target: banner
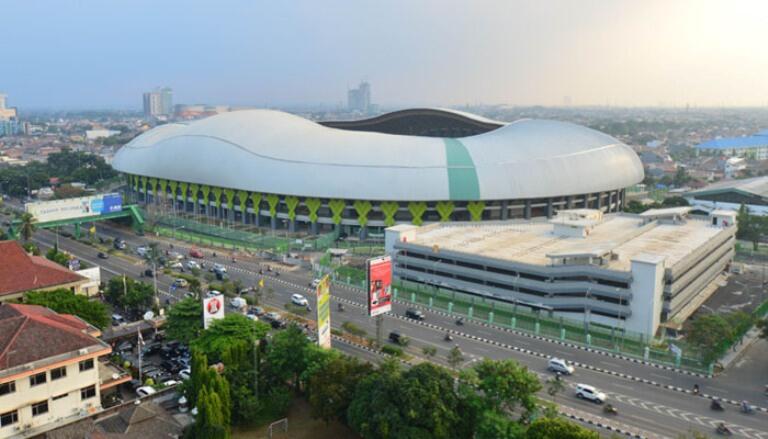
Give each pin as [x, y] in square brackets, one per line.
[213, 309]
[72, 208]
[324, 312]
[379, 276]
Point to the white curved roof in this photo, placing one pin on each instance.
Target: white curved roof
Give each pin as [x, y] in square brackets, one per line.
[275, 152]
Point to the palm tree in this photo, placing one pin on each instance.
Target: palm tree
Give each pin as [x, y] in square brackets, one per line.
[27, 226]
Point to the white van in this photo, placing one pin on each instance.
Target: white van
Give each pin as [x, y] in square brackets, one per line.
[558, 365]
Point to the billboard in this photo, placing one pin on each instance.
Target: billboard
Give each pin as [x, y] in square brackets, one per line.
[213, 309]
[324, 312]
[72, 208]
[379, 275]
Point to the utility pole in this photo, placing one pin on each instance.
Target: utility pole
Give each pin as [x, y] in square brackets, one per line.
[379, 327]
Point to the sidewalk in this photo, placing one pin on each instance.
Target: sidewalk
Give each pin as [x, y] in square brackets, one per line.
[739, 348]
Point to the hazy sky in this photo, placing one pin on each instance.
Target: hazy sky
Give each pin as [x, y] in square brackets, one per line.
[104, 54]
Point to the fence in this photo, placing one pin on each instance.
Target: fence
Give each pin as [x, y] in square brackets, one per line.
[510, 316]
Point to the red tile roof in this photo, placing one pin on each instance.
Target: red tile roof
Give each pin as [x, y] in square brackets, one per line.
[31, 333]
[20, 272]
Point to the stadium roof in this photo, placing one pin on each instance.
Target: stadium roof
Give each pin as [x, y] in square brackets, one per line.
[753, 141]
[275, 152]
[757, 186]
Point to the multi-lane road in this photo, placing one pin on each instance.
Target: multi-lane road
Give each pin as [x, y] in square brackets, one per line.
[651, 400]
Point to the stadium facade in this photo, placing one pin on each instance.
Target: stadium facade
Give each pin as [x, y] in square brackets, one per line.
[270, 168]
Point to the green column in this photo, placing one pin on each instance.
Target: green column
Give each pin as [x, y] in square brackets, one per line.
[490, 317]
[470, 311]
[417, 209]
[389, 209]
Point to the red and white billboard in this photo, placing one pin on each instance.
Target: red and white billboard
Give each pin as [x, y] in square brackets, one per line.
[379, 285]
[213, 309]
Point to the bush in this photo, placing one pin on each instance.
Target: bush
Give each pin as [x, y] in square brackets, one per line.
[392, 350]
[353, 329]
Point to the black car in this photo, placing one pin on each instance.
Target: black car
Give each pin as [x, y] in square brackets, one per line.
[395, 337]
[151, 349]
[414, 314]
[103, 255]
[148, 272]
[171, 366]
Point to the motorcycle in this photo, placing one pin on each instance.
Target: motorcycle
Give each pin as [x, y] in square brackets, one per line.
[460, 322]
[611, 410]
[448, 337]
[716, 405]
[746, 408]
[722, 429]
[341, 307]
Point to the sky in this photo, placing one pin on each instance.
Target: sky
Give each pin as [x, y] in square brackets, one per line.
[98, 54]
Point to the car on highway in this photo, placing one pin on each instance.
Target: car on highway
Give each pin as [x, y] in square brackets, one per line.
[299, 300]
[193, 265]
[558, 365]
[414, 314]
[585, 391]
[314, 283]
[397, 338]
[148, 272]
[195, 253]
[145, 391]
[142, 251]
[181, 283]
[218, 268]
[103, 255]
[119, 244]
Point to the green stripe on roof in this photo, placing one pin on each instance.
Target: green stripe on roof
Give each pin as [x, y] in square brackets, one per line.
[462, 175]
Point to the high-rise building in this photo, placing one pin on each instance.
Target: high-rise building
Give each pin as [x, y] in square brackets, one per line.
[9, 123]
[359, 99]
[6, 113]
[158, 102]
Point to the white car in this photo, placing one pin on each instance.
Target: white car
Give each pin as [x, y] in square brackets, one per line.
[185, 373]
[145, 391]
[584, 391]
[171, 382]
[193, 265]
[175, 265]
[181, 283]
[212, 293]
[315, 283]
[218, 268]
[299, 300]
[558, 365]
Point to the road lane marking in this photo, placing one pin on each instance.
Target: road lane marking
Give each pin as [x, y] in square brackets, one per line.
[610, 364]
[661, 376]
[564, 353]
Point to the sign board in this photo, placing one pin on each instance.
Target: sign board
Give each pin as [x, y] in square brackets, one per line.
[72, 208]
[324, 312]
[213, 309]
[379, 280]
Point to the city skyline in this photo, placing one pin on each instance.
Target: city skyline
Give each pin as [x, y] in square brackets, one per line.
[623, 53]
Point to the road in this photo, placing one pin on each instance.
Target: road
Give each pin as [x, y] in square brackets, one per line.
[654, 409]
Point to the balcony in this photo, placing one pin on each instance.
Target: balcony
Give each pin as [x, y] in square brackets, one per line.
[110, 375]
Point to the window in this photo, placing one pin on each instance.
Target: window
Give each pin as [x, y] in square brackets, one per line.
[7, 388]
[88, 392]
[86, 364]
[39, 408]
[58, 373]
[63, 395]
[9, 418]
[34, 380]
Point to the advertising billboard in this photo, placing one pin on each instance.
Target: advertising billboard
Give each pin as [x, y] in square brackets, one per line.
[324, 312]
[379, 275]
[72, 208]
[213, 308]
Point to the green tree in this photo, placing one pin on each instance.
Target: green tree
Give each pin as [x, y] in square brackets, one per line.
[332, 387]
[554, 386]
[209, 422]
[185, 320]
[130, 294]
[224, 332]
[763, 325]
[428, 401]
[558, 428]
[455, 357]
[58, 257]
[749, 227]
[505, 385]
[374, 412]
[286, 355]
[66, 302]
[495, 425]
[27, 227]
[710, 333]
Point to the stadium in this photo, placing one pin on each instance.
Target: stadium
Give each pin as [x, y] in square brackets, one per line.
[274, 169]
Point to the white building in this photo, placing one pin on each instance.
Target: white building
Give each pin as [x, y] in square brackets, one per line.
[635, 272]
[51, 374]
[100, 134]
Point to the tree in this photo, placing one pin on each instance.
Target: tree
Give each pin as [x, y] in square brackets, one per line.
[224, 332]
[185, 320]
[763, 325]
[58, 257]
[710, 333]
[374, 412]
[506, 384]
[554, 386]
[332, 387]
[429, 402]
[66, 302]
[286, 356]
[130, 294]
[429, 351]
[455, 357]
[209, 422]
[495, 425]
[27, 227]
[558, 428]
[749, 227]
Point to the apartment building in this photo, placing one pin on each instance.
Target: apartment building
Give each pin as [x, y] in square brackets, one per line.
[50, 374]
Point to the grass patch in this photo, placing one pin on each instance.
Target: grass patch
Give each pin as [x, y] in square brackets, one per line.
[392, 350]
[354, 329]
[295, 309]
